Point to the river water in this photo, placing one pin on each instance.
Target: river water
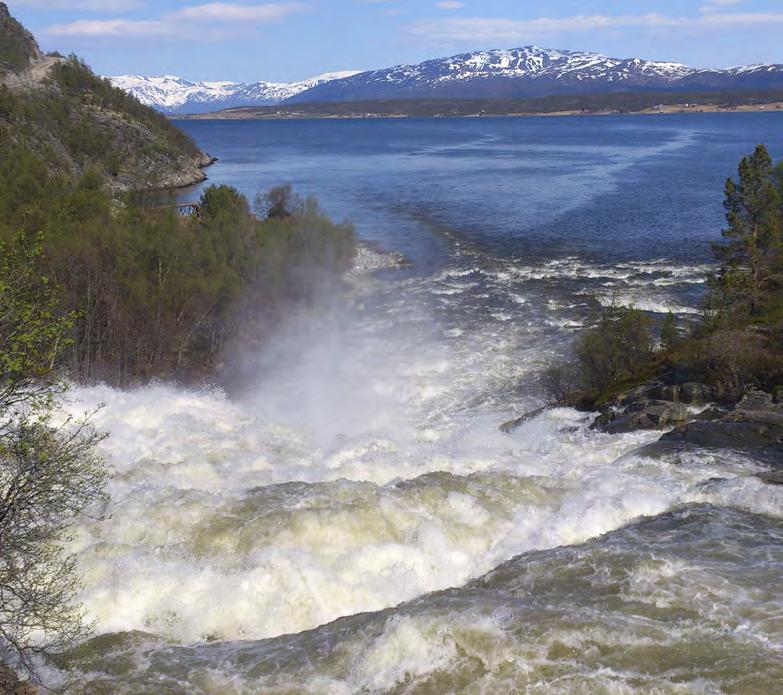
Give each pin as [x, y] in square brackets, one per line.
[353, 521]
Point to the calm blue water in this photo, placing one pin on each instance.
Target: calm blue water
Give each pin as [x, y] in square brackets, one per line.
[606, 188]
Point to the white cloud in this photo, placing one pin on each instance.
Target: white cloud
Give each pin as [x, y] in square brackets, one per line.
[179, 23]
[231, 12]
[719, 5]
[514, 30]
[89, 5]
[110, 27]
[449, 5]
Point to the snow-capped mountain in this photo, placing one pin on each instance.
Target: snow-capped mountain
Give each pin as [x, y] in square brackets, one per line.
[501, 74]
[173, 95]
[533, 71]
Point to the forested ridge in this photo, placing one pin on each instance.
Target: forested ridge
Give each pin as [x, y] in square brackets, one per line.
[75, 120]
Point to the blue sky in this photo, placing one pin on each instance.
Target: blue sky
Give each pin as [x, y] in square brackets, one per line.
[248, 40]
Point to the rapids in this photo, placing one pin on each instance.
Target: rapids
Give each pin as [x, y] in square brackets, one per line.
[364, 468]
[351, 520]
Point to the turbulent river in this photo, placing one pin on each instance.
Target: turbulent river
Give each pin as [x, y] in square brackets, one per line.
[353, 521]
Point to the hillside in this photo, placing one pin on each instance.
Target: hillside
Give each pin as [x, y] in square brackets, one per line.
[79, 122]
[528, 72]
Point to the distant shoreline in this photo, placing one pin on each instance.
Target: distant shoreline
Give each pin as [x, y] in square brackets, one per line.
[776, 107]
[621, 103]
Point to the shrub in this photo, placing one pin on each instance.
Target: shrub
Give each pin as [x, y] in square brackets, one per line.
[616, 348]
[740, 360]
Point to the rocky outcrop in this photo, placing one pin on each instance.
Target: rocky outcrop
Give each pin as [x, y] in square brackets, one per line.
[755, 423]
[18, 47]
[651, 406]
[644, 415]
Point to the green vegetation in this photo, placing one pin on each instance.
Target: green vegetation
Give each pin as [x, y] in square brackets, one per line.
[738, 343]
[152, 294]
[77, 121]
[49, 474]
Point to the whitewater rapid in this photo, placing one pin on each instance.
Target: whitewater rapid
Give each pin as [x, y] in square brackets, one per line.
[362, 467]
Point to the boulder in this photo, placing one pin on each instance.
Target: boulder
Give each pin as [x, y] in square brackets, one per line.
[710, 414]
[772, 477]
[720, 434]
[756, 401]
[665, 392]
[756, 423]
[651, 415]
[694, 393]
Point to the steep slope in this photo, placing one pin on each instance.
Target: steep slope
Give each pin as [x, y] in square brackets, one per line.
[79, 122]
[18, 47]
[175, 95]
[531, 72]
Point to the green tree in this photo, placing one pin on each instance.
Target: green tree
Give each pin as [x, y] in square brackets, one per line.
[49, 474]
[749, 256]
[669, 334]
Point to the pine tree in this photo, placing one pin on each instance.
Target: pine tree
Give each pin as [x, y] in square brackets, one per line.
[669, 332]
[752, 244]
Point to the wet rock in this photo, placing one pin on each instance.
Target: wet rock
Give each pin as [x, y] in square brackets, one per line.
[756, 423]
[665, 392]
[512, 425]
[757, 401]
[604, 420]
[710, 414]
[772, 477]
[642, 416]
[694, 393]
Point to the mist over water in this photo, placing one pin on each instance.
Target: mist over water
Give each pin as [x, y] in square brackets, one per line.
[360, 467]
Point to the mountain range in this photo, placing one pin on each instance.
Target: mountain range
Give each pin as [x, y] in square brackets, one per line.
[519, 73]
[175, 95]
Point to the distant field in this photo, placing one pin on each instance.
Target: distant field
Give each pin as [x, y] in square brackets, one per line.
[574, 104]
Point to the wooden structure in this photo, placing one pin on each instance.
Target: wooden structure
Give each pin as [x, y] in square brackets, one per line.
[188, 210]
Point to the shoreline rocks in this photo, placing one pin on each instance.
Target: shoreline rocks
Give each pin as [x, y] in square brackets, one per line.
[689, 413]
[755, 423]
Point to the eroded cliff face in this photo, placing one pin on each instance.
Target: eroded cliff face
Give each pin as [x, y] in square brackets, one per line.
[78, 122]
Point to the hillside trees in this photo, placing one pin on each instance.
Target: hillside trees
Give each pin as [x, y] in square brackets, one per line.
[156, 295]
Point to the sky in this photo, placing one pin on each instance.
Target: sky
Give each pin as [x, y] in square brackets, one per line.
[288, 40]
